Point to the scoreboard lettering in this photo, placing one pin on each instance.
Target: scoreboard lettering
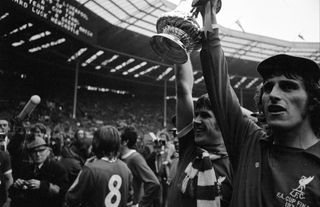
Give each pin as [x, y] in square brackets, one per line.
[65, 14]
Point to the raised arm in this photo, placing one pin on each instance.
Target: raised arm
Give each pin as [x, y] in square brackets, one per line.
[226, 107]
[184, 103]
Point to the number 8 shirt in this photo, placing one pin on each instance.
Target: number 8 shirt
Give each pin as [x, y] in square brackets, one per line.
[102, 183]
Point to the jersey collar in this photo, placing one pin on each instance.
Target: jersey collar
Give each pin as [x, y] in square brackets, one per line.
[313, 150]
[131, 151]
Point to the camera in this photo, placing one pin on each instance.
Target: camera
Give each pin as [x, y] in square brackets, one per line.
[2, 136]
[159, 142]
[26, 185]
[3, 141]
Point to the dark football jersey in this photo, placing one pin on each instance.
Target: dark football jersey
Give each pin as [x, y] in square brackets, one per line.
[102, 183]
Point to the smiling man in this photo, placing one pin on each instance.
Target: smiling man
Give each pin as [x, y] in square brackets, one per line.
[280, 169]
[204, 173]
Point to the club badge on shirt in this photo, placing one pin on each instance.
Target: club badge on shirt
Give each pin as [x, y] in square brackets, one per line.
[299, 191]
[296, 197]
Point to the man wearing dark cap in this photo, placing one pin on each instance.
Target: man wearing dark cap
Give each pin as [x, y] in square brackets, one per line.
[43, 182]
[281, 169]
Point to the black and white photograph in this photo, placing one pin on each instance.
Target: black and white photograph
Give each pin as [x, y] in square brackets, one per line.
[159, 103]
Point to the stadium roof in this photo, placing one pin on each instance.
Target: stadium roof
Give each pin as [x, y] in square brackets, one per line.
[116, 43]
[142, 15]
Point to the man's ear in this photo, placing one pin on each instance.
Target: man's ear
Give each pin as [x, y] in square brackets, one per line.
[124, 142]
[314, 105]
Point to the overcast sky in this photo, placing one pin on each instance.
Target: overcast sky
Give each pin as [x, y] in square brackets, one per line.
[281, 19]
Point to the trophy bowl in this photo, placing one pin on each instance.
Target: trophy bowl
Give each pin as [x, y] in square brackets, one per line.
[178, 33]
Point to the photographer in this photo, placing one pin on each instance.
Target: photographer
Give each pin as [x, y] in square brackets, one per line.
[4, 130]
[175, 156]
[168, 147]
[5, 164]
[43, 182]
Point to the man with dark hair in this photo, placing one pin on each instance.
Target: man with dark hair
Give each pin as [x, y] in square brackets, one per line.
[75, 156]
[6, 179]
[280, 169]
[204, 174]
[106, 180]
[80, 134]
[39, 130]
[43, 182]
[145, 183]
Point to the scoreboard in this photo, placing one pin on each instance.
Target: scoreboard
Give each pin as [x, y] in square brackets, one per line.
[66, 15]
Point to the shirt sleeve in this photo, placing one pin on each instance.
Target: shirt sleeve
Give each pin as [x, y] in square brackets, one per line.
[150, 181]
[80, 187]
[62, 179]
[234, 127]
[6, 164]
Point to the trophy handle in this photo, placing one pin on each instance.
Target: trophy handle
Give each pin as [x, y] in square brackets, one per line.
[198, 4]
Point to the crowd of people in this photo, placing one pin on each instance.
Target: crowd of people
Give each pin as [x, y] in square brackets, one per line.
[93, 109]
[218, 157]
[41, 170]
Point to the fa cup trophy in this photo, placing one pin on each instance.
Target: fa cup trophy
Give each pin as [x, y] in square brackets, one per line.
[178, 32]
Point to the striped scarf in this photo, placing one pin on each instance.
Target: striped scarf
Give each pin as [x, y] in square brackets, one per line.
[200, 181]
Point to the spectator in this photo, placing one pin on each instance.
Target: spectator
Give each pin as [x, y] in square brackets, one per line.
[80, 134]
[154, 160]
[56, 144]
[16, 149]
[167, 151]
[75, 156]
[39, 130]
[281, 169]
[175, 156]
[43, 182]
[4, 130]
[105, 181]
[169, 148]
[6, 179]
[145, 184]
[174, 163]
